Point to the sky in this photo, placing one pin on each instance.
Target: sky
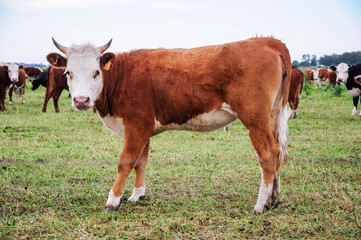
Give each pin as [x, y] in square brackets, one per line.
[320, 27]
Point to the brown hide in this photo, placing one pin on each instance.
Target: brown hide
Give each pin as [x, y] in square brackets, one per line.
[57, 82]
[4, 84]
[331, 77]
[32, 71]
[309, 74]
[19, 85]
[295, 89]
[179, 84]
[322, 72]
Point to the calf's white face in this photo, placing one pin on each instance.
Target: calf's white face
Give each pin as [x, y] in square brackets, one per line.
[83, 69]
[84, 75]
[342, 72]
[13, 72]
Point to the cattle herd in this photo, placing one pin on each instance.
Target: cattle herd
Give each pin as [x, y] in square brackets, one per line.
[142, 93]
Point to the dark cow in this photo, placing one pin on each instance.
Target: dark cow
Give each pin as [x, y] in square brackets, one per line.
[41, 79]
[18, 86]
[295, 93]
[33, 71]
[142, 93]
[4, 85]
[57, 82]
[351, 76]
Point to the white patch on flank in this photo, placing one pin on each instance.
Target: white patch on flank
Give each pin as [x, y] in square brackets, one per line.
[112, 199]
[137, 193]
[115, 124]
[264, 195]
[282, 131]
[355, 92]
[213, 120]
[354, 111]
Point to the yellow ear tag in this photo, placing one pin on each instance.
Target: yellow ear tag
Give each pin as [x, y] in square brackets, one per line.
[107, 66]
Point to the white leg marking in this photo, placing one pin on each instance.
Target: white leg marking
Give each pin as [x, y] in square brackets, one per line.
[282, 131]
[264, 195]
[354, 111]
[10, 102]
[113, 200]
[137, 193]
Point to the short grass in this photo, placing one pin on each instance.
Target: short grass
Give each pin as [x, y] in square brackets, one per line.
[56, 171]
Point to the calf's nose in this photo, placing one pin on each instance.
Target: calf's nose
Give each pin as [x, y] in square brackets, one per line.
[81, 101]
[14, 79]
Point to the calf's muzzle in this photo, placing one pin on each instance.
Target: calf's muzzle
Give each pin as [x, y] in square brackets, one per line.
[81, 102]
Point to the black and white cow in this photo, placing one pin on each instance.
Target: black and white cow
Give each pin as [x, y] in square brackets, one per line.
[351, 77]
[41, 79]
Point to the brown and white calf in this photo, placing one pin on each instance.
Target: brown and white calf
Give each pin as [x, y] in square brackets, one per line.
[18, 86]
[57, 82]
[295, 93]
[318, 75]
[142, 93]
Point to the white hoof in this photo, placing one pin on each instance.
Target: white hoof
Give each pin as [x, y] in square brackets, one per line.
[10, 102]
[137, 193]
[259, 208]
[113, 201]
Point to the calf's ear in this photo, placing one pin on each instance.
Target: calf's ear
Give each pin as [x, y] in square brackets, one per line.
[107, 60]
[56, 60]
[350, 69]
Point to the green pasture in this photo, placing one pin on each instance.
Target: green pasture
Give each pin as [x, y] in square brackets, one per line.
[56, 170]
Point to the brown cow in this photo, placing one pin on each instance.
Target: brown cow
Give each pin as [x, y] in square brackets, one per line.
[56, 84]
[142, 93]
[331, 76]
[19, 86]
[33, 71]
[295, 93]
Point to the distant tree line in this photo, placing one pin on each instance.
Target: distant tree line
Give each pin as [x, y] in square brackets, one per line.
[40, 65]
[328, 60]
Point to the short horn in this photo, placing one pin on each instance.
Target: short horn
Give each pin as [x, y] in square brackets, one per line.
[60, 47]
[105, 47]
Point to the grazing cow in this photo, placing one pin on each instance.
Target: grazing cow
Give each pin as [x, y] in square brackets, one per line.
[41, 79]
[318, 75]
[295, 93]
[57, 82]
[350, 76]
[142, 93]
[18, 86]
[5, 83]
[33, 71]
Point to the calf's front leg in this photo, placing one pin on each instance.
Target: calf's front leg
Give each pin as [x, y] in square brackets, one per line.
[135, 146]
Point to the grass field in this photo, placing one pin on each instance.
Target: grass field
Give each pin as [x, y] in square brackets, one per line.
[56, 171]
